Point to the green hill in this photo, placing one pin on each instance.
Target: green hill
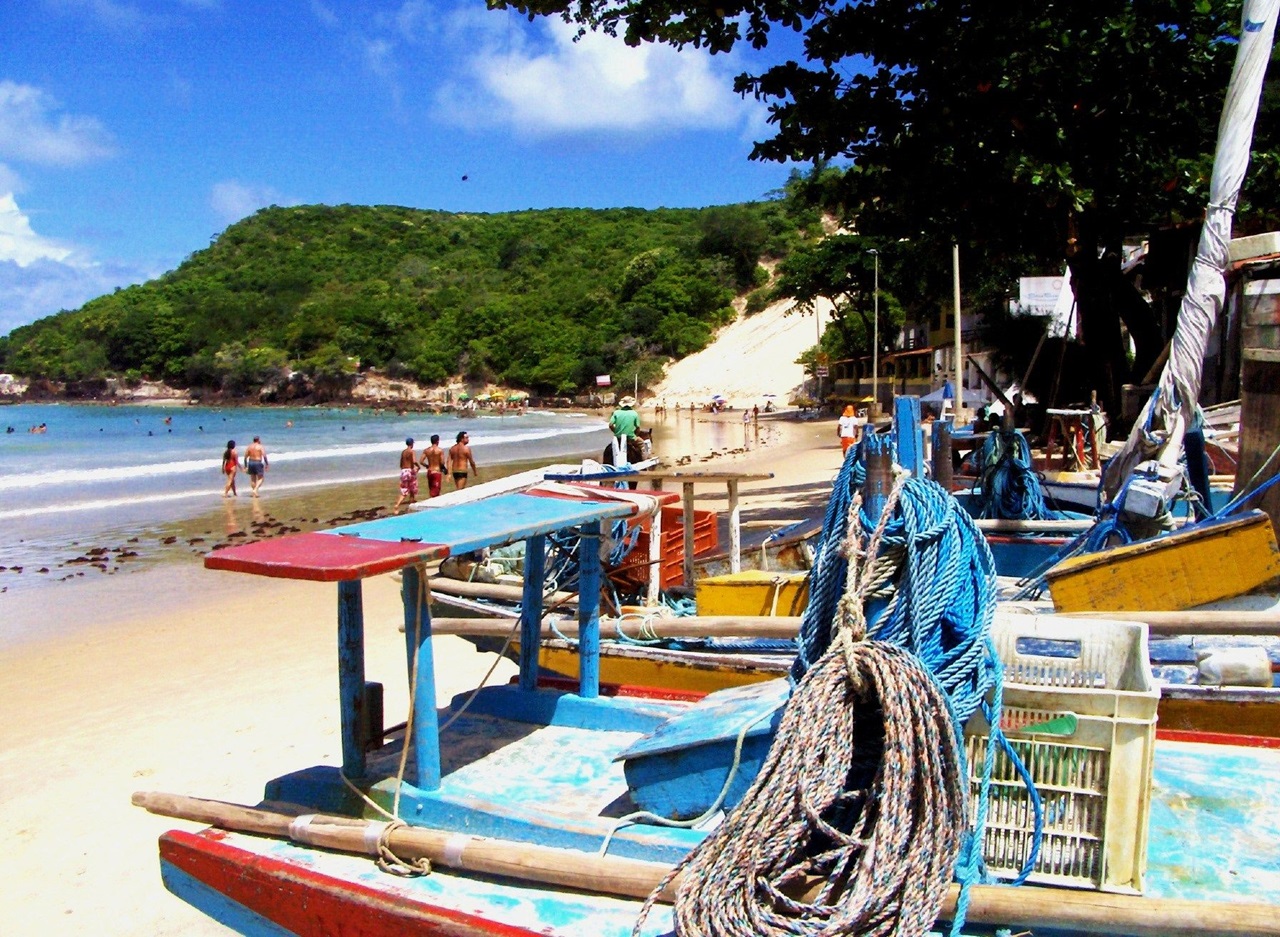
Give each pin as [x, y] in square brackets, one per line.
[540, 299]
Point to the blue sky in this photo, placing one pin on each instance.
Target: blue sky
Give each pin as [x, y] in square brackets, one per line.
[132, 131]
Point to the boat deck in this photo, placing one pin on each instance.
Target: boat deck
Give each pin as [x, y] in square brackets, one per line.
[1213, 834]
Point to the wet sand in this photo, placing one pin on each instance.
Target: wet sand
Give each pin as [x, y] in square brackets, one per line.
[176, 678]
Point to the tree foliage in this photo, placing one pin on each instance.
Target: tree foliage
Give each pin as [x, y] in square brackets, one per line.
[1028, 133]
[543, 299]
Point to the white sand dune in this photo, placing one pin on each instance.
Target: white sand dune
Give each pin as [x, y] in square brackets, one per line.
[750, 357]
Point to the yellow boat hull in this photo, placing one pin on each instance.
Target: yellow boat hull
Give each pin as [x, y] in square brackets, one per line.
[1187, 568]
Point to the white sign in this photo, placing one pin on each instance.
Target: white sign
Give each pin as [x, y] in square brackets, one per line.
[1040, 295]
[602, 380]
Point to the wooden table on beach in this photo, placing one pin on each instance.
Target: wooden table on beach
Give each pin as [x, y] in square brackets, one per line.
[688, 480]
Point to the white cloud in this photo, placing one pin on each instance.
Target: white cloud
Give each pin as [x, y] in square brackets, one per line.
[596, 83]
[324, 14]
[232, 200]
[379, 56]
[31, 130]
[10, 181]
[40, 276]
[46, 287]
[19, 243]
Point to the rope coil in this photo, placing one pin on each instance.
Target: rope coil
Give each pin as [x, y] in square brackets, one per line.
[864, 787]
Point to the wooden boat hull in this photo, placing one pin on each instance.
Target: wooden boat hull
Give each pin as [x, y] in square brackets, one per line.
[1201, 846]
[1190, 567]
[1227, 711]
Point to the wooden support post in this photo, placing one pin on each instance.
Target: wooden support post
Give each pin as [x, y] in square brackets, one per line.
[351, 675]
[735, 528]
[906, 426]
[422, 680]
[688, 534]
[942, 473]
[655, 545]
[1095, 458]
[1259, 423]
[589, 611]
[535, 561]
[875, 493]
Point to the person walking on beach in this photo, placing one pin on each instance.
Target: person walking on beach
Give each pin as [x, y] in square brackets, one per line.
[459, 458]
[848, 429]
[255, 463]
[433, 461]
[230, 465]
[408, 475]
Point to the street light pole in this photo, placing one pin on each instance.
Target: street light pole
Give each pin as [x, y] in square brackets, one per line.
[817, 358]
[875, 336]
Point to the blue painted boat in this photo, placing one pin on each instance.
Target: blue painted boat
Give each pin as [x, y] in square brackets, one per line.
[532, 766]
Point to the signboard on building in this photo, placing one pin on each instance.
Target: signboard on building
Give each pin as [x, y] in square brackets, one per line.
[1039, 295]
[602, 380]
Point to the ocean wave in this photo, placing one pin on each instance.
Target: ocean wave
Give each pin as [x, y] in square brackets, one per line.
[100, 504]
[135, 472]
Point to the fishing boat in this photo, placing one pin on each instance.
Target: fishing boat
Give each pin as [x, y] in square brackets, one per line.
[919, 743]
[511, 791]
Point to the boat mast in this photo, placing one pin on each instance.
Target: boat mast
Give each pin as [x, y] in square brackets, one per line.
[1171, 409]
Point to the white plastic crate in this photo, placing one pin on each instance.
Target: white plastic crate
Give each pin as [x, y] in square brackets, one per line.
[1080, 710]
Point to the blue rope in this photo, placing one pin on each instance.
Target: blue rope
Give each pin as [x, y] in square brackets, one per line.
[1010, 487]
[941, 610]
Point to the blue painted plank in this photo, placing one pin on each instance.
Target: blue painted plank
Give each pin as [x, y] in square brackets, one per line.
[720, 716]
[351, 675]
[906, 426]
[589, 611]
[417, 633]
[535, 562]
[492, 522]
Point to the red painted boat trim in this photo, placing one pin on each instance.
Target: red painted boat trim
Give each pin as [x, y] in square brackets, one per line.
[1039, 539]
[312, 904]
[570, 684]
[322, 557]
[1217, 738]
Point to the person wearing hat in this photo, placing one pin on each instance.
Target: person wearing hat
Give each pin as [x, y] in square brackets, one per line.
[848, 428]
[408, 475]
[623, 424]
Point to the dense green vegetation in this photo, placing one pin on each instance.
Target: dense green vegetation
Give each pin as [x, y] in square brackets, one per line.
[540, 299]
[1032, 135]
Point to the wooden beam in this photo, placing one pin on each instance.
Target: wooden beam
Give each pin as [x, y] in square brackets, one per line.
[1190, 622]
[1028, 906]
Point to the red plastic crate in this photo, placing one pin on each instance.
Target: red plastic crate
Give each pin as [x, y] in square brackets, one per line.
[706, 537]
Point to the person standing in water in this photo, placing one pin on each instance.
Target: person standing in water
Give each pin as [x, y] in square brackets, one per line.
[255, 463]
[433, 458]
[408, 475]
[459, 458]
[230, 465]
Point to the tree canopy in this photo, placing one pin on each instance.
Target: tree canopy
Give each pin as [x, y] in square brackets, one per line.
[1029, 133]
[541, 299]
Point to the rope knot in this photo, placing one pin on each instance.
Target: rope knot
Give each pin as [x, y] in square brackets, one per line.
[391, 863]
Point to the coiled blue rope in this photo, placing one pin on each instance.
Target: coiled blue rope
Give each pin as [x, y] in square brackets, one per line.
[1010, 486]
[940, 608]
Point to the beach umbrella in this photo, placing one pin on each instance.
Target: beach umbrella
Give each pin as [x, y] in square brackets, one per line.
[482, 396]
[464, 396]
[497, 395]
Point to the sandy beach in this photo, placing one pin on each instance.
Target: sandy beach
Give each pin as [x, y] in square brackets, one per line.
[176, 678]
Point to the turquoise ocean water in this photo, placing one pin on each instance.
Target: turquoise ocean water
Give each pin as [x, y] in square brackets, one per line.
[107, 476]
